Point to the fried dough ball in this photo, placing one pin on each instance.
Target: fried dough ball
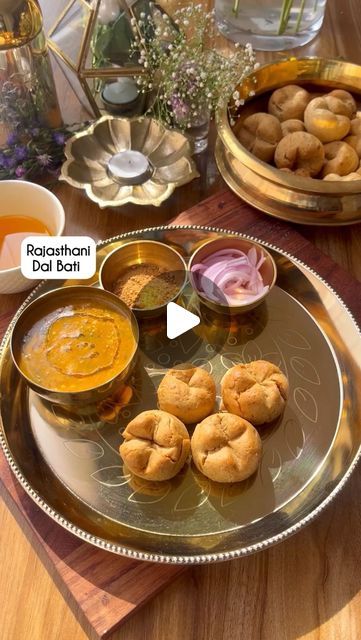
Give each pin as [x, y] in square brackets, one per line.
[303, 173]
[327, 118]
[226, 448]
[189, 394]
[256, 391]
[355, 143]
[333, 177]
[156, 445]
[352, 176]
[347, 99]
[340, 158]
[260, 134]
[288, 102]
[300, 151]
[291, 126]
[356, 126]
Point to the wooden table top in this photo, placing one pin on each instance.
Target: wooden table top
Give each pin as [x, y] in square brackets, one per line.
[309, 586]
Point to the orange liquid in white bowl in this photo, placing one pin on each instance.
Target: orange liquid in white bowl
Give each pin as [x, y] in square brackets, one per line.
[13, 230]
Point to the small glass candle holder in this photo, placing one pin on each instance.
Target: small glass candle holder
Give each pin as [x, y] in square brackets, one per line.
[121, 96]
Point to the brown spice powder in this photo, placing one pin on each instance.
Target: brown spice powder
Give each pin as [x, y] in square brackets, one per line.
[144, 286]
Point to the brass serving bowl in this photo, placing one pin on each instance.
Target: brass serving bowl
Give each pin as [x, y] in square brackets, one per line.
[51, 301]
[143, 252]
[268, 271]
[90, 156]
[287, 196]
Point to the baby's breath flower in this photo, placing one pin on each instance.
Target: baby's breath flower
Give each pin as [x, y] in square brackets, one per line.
[186, 74]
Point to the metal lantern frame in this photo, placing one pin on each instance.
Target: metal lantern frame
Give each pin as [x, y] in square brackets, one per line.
[79, 67]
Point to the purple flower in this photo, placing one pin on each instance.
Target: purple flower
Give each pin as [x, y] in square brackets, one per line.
[9, 162]
[179, 107]
[20, 171]
[59, 137]
[12, 139]
[44, 159]
[21, 152]
[35, 132]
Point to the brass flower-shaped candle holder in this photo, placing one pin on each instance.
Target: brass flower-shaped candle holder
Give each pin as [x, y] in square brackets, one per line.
[120, 160]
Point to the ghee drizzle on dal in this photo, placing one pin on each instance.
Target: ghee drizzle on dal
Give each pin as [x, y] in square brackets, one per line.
[77, 347]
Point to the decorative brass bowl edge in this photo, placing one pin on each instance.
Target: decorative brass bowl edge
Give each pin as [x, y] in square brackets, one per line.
[129, 198]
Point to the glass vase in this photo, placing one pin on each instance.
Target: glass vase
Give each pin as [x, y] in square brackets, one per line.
[28, 97]
[194, 126]
[270, 25]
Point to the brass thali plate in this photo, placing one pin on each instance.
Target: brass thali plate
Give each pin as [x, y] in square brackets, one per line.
[69, 464]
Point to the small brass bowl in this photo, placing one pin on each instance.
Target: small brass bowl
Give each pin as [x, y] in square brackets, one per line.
[268, 271]
[280, 194]
[58, 298]
[143, 252]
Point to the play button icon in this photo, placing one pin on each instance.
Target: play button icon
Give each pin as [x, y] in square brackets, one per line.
[179, 320]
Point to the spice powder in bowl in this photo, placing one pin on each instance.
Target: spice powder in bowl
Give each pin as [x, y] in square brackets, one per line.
[145, 274]
[146, 286]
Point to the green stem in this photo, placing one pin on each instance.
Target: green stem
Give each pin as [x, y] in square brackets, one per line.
[235, 8]
[285, 15]
[302, 8]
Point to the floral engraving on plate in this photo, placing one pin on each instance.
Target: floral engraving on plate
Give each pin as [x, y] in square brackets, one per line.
[85, 449]
[271, 463]
[294, 437]
[111, 476]
[306, 403]
[192, 498]
[251, 351]
[295, 340]
[149, 492]
[305, 369]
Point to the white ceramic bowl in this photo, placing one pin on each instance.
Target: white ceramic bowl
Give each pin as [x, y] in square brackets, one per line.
[21, 198]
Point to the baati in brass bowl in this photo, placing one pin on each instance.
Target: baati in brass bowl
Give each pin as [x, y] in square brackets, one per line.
[268, 271]
[140, 252]
[120, 160]
[279, 194]
[44, 309]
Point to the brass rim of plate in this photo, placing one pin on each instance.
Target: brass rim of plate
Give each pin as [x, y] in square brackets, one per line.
[289, 197]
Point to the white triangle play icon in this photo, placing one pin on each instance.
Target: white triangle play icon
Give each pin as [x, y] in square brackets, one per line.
[179, 320]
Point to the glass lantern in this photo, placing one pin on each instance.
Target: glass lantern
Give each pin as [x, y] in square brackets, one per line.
[92, 41]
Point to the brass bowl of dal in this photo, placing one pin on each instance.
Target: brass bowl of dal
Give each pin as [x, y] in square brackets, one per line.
[75, 345]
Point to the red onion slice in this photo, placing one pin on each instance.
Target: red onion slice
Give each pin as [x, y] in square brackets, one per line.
[234, 273]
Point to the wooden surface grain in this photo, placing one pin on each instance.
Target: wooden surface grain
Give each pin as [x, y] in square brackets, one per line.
[308, 587]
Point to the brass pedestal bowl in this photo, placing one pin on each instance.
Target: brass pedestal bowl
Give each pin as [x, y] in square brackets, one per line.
[283, 195]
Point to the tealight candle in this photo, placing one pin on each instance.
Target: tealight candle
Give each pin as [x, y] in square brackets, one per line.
[120, 95]
[129, 167]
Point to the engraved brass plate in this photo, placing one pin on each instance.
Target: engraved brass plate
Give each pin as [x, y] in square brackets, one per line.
[70, 463]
